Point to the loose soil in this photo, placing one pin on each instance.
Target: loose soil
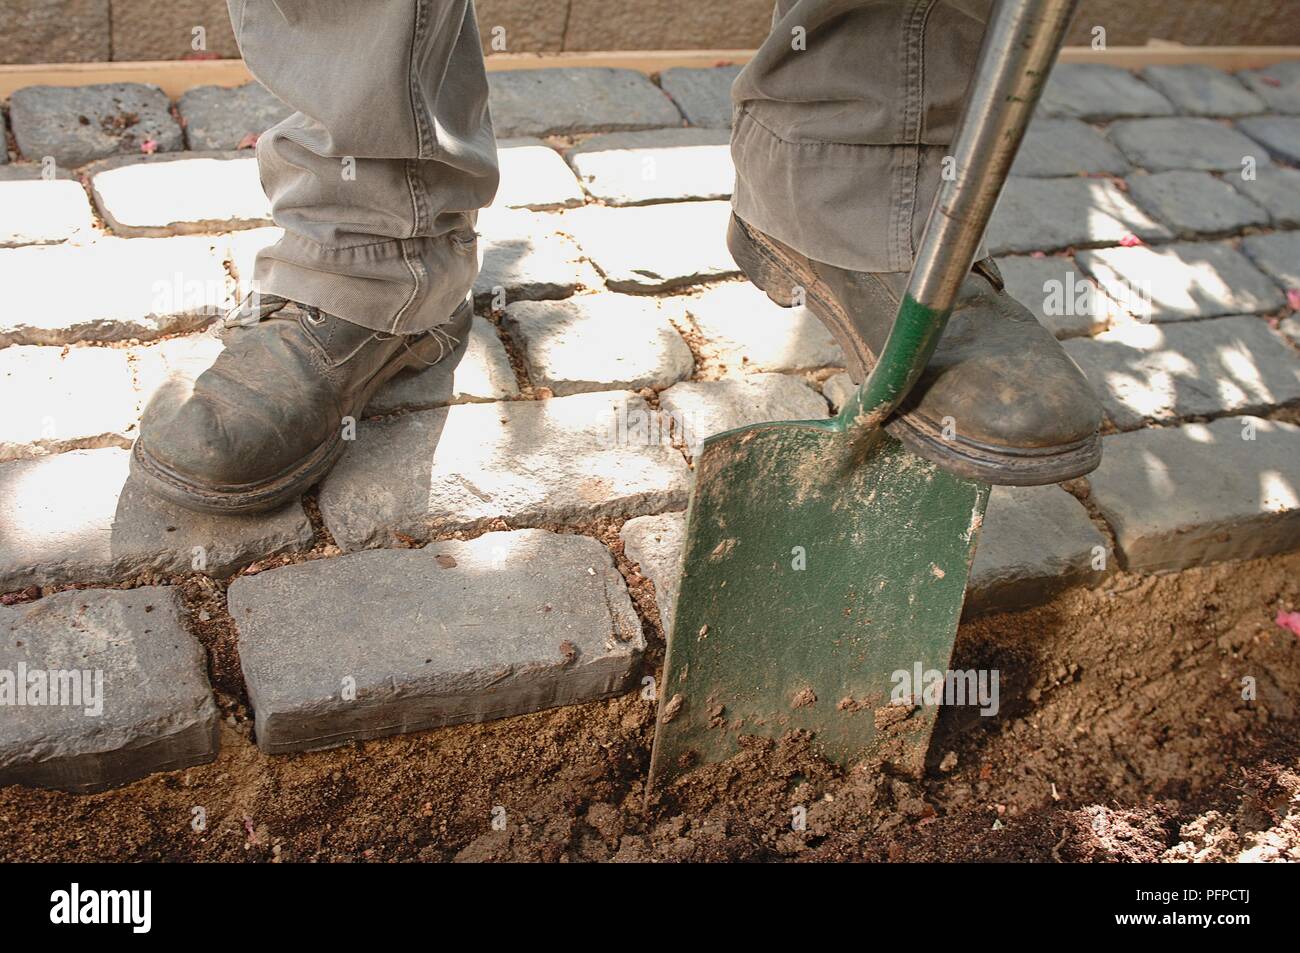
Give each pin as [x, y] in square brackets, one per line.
[1123, 735]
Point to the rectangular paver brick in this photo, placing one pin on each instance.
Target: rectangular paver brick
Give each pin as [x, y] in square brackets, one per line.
[567, 459]
[1053, 214]
[703, 95]
[599, 342]
[1093, 91]
[700, 409]
[1195, 203]
[1062, 298]
[75, 517]
[1187, 280]
[186, 193]
[1201, 493]
[142, 700]
[1062, 147]
[114, 289]
[534, 176]
[39, 212]
[222, 117]
[1199, 90]
[655, 247]
[664, 165]
[548, 102]
[523, 258]
[744, 331]
[1163, 373]
[394, 641]
[1164, 144]
[78, 124]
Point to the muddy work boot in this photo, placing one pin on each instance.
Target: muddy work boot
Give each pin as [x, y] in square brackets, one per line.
[267, 419]
[1000, 401]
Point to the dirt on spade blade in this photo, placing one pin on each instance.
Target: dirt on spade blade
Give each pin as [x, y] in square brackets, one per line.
[1152, 719]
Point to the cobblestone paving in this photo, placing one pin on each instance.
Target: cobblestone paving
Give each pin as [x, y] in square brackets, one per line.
[1151, 224]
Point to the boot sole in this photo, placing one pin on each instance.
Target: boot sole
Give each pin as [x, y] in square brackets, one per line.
[277, 490]
[1001, 466]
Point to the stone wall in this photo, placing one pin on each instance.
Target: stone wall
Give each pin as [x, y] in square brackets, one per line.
[61, 31]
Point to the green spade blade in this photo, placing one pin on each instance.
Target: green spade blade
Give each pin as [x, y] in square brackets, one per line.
[821, 568]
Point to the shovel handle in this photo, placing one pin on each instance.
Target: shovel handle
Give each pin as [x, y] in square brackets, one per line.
[1020, 45]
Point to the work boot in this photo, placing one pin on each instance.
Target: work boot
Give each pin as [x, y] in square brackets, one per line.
[267, 419]
[1000, 400]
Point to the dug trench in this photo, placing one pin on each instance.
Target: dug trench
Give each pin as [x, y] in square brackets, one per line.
[1127, 732]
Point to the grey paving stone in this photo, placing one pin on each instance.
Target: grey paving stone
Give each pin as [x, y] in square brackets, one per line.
[1291, 328]
[75, 517]
[394, 641]
[1280, 135]
[1185, 280]
[699, 409]
[1052, 214]
[744, 331]
[78, 124]
[224, 117]
[703, 95]
[548, 102]
[1092, 91]
[534, 176]
[665, 165]
[524, 259]
[184, 193]
[837, 389]
[1277, 255]
[58, 399]
[1035, 542]
[125, 690]
[567, 459]
[1063, 299]
[1278, 85]
[1062, 147]
[655, 247]
[1199, 90]
[113, 289]
[483, 374]
[40, 212]
[655, 544]
[598, 342]
[1163, 373]
[1195, 203]
[1159, 145]
[1201, 493]
[1275, 189]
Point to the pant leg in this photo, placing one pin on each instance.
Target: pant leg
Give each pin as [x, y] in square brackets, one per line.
[378, 176]
[839, 146]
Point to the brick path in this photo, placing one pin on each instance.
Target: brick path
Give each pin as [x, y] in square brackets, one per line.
[1149, 223]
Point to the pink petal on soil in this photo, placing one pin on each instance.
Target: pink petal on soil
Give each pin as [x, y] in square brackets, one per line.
[248, 142]
[1129, 240]
[1289, 621]
[149, 147]
[1271, 80]
[1293, 298]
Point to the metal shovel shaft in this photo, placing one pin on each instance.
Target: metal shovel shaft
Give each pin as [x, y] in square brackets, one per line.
[1020, 44]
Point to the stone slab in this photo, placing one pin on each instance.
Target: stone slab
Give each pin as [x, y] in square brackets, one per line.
[1160, 145]
[699, 409]
[227, 117]
[1147, 373]
[743, 331]
[1276, 189]
[1062, 298]
[113, 289]
[1280, 135]
[1185, 280]
[58, 399]
[130, 684]
[483, 373]
[76, 517]
[1277, 84]
[549, 102]
[702, 94]
[78, 124]
[1277, 255]
[41, 212]
[1093, 91]
[837, 389]
[1054, 214]
[563, 460]
[394, 641]
[664, 165]
[1198, 90]
[598, 342]
[534, 176]
[523, 258]
[1061, 147]
[1186, 496]
[1195, 203]
[655, 247]
[186, 193]
[655, 544]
